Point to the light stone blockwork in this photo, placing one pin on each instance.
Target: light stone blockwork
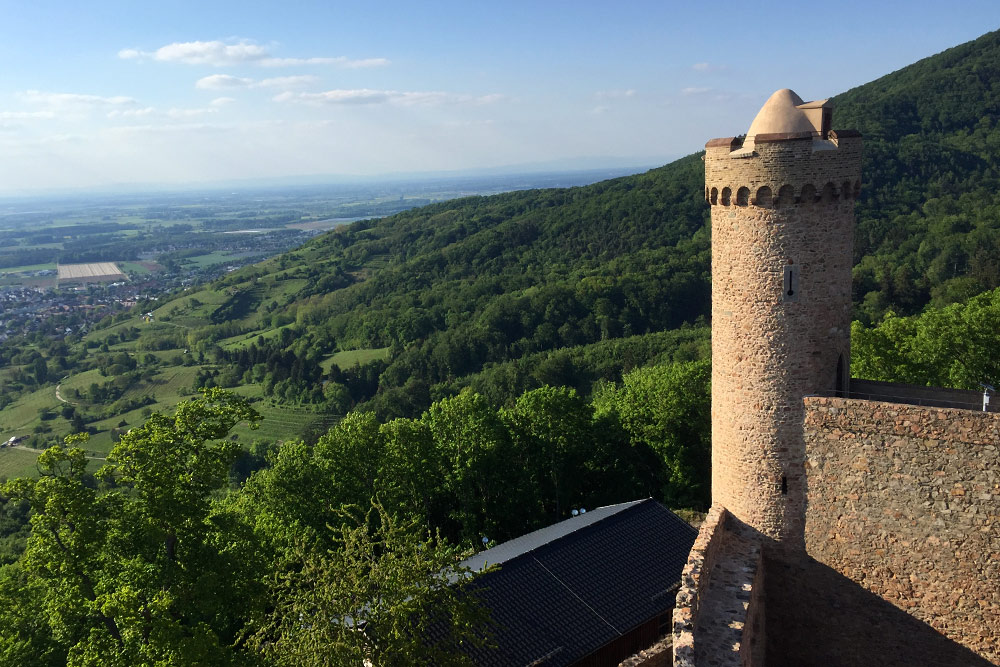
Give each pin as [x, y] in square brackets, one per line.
[781, 309]
[905, 501]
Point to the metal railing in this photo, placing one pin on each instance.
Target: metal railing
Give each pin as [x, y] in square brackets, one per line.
[906, 400]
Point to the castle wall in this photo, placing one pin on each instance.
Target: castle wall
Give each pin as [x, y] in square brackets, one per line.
[694, 580]
[782, 230]
[905, 501]
[718, 614]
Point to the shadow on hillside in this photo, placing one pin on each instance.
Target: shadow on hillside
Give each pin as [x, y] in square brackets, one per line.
[817, 616]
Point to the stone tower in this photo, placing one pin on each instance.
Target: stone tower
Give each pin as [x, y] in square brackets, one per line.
[782, 203]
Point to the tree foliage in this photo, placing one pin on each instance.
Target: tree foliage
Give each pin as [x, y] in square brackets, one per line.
[668, 409]
[387, 594]
[955, 346]
[141, 572]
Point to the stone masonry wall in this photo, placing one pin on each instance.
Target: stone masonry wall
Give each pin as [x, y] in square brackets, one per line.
[693, 579]
[754, 635]
[770, 348]
[778, 163]
[718, 616]
[905, 500]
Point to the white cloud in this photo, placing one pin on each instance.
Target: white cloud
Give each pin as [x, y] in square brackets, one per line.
[286, 81]
[201, 53]
[165, 128]
[25, 115]
[360, 96]
[707, 67]
[487, 122]
[243, 52]
[222, 81]
[614, 94]
[173, 113]
[367, 96]
[489, 99]
[190, 113]
[221, 101]
[131, 113]
[74, 99]
[340, 61]
[227, 82]
[688, 92]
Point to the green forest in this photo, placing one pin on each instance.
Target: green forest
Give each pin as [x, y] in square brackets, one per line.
[322, 434]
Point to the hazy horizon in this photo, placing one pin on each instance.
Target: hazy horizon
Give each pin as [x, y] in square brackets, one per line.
[113, 94]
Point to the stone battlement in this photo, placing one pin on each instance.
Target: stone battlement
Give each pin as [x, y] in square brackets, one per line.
[780, 171]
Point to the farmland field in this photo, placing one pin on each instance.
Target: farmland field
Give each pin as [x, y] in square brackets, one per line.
[15, 462]
[349, 358]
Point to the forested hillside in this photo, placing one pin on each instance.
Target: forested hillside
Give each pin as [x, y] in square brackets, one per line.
[477, 367]
[458, 291]
[511, 292]
[929, 215]
[453, 287]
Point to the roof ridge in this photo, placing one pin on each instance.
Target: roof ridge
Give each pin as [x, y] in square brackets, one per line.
[542, 537]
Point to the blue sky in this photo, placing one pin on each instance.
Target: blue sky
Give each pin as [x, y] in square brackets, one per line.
[102, 93]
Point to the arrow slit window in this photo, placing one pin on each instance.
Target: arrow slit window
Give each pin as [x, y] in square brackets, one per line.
[790, 284]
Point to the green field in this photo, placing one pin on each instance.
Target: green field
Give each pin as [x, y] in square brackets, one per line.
[211, 259]
[349, 358]
[132, 267]
[282, 423]
[191, 310]
[245, 340]
[21, 416]
[16, 462]
[32, 267]
[82, 381]
[168, 388]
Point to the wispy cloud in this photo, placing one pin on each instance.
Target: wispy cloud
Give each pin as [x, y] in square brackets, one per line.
[222, 81]
[614, 94]
[174, 113]
[191, 113]
[339, 61]
[359, 96]
[25, 115]
[242, 52]
[131, 113]
[368, 96]
[60, 100]
[165, 128]
[707, 67]
[221, 101]
[228, 82]
[688, 92]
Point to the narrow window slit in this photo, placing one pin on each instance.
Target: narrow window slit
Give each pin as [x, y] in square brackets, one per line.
[790, 284]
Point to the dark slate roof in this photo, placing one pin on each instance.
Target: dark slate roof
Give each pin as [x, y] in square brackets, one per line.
[564, 591]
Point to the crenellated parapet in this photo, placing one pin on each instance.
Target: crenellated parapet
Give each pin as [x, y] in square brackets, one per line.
[781, 170]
